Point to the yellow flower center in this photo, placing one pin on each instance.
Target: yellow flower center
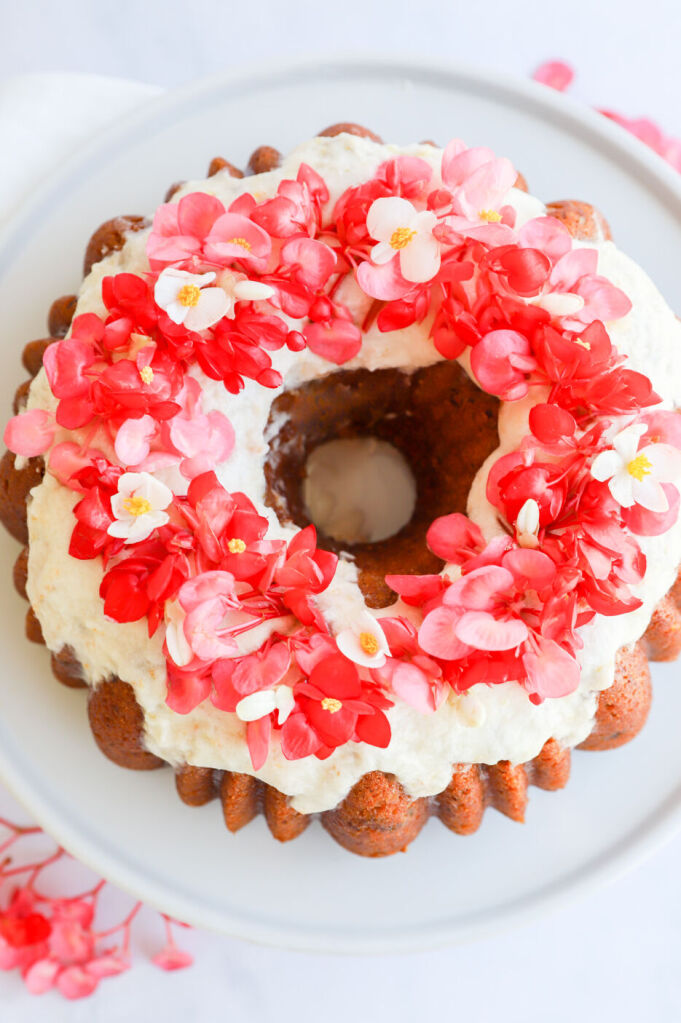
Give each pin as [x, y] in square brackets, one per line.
[328, 703]
[189, 295]
[147, 374]
[401, 237]
[242, 242]
[491, 216]
[584, 344]
[639, 467]
[236, 546]
[137, 506]
[369, 643]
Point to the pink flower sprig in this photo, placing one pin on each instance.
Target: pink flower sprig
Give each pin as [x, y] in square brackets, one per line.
[52, 940]
[559, 75]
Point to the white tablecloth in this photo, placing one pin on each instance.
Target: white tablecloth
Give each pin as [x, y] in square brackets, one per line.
[614, 955]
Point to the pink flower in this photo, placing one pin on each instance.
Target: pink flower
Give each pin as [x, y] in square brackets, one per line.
[172, 958]
[310, 262]
[414, 677]
[252, 687]
[133, 440]
[295, 209]
[481, 611]
[30, 433]
[199, 227]
[179, 229]
[479, 183]
[551, 671]
[555, 73]
[501, 361]
[206, 600]
[203, 440]
[548, 234]
[68, 366]
[234, 237]
[335, 338]
[72, 964]
[576, 294]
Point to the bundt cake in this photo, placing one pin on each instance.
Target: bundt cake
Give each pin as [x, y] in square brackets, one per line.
[525, 373]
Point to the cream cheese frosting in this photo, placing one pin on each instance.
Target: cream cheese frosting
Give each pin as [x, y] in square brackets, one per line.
[485, 725]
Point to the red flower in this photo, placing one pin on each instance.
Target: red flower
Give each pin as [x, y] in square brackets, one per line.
[334, 706]
[228, 529]
[20, 925]
[296, 207]
[122, 391]
[304, 571]
[140, 585]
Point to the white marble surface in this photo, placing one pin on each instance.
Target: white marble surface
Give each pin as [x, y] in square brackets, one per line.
[612, 956]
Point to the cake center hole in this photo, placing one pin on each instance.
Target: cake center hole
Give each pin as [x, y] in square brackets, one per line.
[359, 490]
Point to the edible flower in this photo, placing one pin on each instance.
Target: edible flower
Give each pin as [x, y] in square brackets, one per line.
[636, 477]
[406, 234]
[364, 643]
[188, 298]
[139, 507]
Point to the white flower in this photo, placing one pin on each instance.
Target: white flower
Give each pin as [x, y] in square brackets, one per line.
[259, 705]
[178, 646]
[636, 477]
[527, 524]
[401, 230]
[139, 506]
[238, 288]
[364, 643]
[187, 299]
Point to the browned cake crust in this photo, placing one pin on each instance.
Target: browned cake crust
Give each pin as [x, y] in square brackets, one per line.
[59, 319]
[218, 163]
[109, 237]
[15, 486]
[582, 220]
[263, 159]
[196, 785]
[377, 817]
[349, 128]
[117, 724]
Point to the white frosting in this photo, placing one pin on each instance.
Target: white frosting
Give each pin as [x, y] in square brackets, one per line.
[487, 724]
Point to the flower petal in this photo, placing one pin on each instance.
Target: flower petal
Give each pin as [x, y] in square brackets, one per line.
[212, 306]
[256, 705]
[483, 631]
[29, 433]
[420, 259]
[665, 461]
[626, 441]
[621, 488]
[438, 635]
[605, 465]
[388, 214]
[649, 494]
